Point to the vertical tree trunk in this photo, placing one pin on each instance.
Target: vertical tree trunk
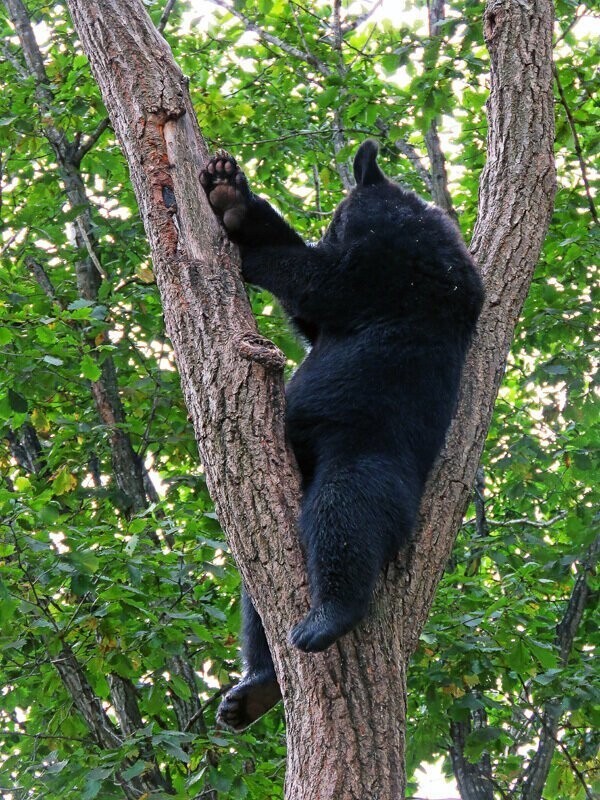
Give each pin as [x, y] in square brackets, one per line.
[345, 708]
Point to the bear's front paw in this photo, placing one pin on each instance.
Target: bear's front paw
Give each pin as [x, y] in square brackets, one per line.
[227, 189]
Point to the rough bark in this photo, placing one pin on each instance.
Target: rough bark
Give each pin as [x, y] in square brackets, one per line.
[345, 708]
[473, 780]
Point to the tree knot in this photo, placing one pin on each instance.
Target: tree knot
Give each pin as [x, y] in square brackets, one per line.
[255, 347]
[492, 21]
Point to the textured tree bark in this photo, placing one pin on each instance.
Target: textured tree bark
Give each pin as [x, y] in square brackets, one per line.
[345, 708]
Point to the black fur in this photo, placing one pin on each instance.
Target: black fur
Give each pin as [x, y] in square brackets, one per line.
[388, 300]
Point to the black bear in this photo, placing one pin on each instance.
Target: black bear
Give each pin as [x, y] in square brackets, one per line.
[388, 301]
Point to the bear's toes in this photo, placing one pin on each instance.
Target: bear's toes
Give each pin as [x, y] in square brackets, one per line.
[227, 189]
[222, 168]
[252, 697]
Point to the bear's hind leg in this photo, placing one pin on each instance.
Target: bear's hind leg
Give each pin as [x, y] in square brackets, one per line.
[355, 516]
[258, 690]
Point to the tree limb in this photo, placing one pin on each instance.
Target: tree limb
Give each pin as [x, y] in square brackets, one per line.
[536, 774]
[41, 276]
[577, 146]
[439, 178]
[308, 57]
[364, 17]
[164, 17]
[90, 141]
[474, 779]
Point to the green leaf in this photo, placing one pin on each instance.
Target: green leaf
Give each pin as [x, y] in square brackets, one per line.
[90, 369]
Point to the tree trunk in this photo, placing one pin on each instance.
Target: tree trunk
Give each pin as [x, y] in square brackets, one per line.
[345, 708]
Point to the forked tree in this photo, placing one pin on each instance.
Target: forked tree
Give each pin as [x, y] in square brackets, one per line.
[346, 708]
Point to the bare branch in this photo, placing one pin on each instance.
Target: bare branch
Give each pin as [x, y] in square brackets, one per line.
[439, 178]
[364, 17]
[25, 448]
[473, 779]
[102, 729]
[35, 65]
[10, 57]
[90, 141]
[413, 156]
[409, 151]
[7, 244]
[82, 227]
[539, 766]
[308, 58]
[212, 699]
[579, 14]
[533, 523]
[577, 146]
[164, 17]
[337, 26]
[190, 712]
[87, 703]
[39, 273]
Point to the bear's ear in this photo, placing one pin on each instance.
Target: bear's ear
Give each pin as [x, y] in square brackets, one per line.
[366, 171]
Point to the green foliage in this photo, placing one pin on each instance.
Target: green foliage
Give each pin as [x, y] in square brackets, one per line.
[132, 593]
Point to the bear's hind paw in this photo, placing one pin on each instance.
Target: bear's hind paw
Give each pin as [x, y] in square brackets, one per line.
[248, 700]
[322, 626]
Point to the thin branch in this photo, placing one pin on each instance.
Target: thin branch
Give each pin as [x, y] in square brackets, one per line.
[40, 275]
[307, 51]
[339, 134]
[317, 182]
[533, 523]
[439, 177]
[45, 736]
[35, 65]
[579, 14]
[25, 447]
[410, 152]
[9, 241]
[479, 500]
[164, 17]
[212, 699]
[553, 736]
[474, 779]
[577, 145]
[90, 141]
[275, 40]
[413, 156]
[17, 66]
[364, 17]
[81, 226]
[338, 37]
[539, 766]
[567, 628]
